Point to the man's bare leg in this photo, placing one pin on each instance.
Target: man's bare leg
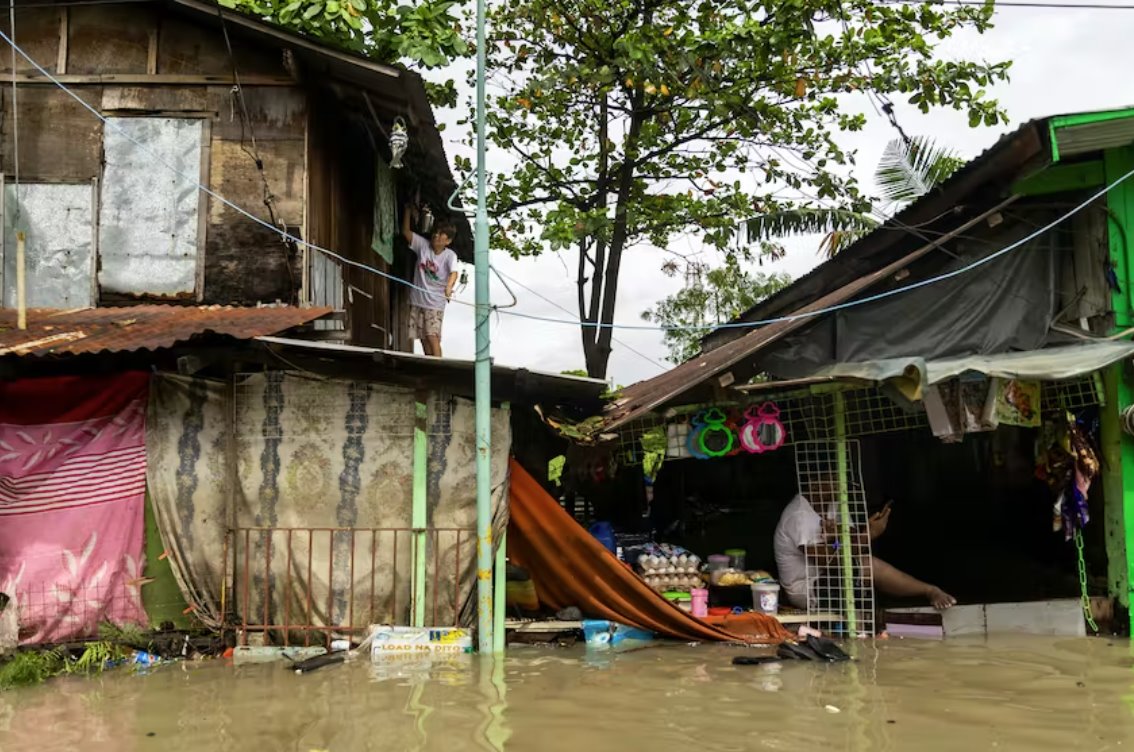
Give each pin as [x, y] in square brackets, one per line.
[426, 345]
[893, 581]
[433, 346]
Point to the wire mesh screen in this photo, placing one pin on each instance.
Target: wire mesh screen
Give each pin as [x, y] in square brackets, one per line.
[840, 582]
[1071, 394]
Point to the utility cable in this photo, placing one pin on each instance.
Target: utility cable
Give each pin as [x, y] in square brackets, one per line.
[551, 302]
[574, 322]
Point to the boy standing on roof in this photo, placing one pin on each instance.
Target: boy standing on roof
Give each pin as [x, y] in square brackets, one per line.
[434, 276]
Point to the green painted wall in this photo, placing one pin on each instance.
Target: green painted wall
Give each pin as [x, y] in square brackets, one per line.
[162, 597]
[1118, 447]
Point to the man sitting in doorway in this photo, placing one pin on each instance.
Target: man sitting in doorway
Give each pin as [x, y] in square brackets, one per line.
[807, 541]
[434, 277]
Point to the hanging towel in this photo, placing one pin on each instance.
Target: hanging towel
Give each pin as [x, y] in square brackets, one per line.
[385, 217]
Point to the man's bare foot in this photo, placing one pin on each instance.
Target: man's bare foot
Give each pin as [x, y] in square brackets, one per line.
[939, 599]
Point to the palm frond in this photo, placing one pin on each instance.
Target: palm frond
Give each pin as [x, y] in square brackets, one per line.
[910, 169]
[806, 221]
[837, 240]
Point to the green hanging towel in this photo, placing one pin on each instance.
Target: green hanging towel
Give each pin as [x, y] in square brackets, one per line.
[385, 218]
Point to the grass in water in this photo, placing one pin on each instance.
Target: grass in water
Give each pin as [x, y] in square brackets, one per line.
[30, 667]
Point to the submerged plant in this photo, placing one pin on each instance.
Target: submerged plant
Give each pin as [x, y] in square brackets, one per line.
[32, 667]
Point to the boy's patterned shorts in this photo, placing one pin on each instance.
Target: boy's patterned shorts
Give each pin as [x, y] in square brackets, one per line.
[424, 322]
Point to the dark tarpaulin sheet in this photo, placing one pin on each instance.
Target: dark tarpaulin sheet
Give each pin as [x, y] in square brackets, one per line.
[1007, 304]
[571, 568]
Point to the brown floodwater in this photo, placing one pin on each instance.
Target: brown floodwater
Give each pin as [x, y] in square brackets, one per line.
[1008, 693]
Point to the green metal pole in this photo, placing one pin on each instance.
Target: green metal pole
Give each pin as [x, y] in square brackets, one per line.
[420, 486]
[844, 513]
[500, 580]
[483, 362]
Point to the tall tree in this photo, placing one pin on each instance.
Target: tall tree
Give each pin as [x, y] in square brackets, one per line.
[712, 297]
[632, 121]
[426, 33]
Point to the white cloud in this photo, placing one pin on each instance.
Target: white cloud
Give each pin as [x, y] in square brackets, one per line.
[1063, 61]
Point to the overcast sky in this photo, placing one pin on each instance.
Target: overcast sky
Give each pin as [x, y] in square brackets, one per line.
[1064, 60]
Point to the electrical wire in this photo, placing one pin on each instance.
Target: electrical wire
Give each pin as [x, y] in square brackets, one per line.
[574, 322]
[551, 302]
[1015, 4]
[870, 298]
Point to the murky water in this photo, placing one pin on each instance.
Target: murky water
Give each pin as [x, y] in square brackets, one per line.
[1003, 693]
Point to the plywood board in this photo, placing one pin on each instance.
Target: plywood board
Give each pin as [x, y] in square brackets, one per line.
[275, 113]
[246, 262]
[59, 139]
[37, 34]
[185, 47]
[154, 99]
[109, 39]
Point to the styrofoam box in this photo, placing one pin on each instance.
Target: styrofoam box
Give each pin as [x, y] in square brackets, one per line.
[419, 640]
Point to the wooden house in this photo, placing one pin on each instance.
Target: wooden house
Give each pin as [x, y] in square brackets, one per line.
[118, 114]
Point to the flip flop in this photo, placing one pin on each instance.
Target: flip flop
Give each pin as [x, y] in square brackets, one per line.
[826, 649]
[790, 651]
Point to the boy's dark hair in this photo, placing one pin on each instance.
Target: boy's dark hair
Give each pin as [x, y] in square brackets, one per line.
[447, 228]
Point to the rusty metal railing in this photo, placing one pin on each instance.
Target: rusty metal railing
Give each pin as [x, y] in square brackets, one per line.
[299, 585]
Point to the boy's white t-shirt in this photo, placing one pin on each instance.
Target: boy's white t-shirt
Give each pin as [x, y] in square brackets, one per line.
[431, 273]
[799, 526]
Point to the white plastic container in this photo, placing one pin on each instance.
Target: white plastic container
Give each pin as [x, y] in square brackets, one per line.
[414, 640]
[766, 597]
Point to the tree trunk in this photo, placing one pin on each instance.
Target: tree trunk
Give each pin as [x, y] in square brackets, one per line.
[593, 356]
[606, 280]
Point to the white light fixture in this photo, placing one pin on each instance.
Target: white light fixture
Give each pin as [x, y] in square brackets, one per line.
[399, 142]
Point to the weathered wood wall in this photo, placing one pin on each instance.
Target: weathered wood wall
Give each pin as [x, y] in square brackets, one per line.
[139, 60]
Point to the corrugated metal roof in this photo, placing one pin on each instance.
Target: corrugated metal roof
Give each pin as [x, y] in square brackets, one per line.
[133, 328]
[1014, 155]
[871, 259]
[507, 382]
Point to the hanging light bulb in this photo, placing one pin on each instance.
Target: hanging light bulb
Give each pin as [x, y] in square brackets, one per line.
[399, 141]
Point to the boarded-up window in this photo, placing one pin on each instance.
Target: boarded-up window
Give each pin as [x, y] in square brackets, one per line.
[148, 214]
[59, 234]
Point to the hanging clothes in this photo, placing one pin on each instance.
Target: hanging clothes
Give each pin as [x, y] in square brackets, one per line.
[385, 216]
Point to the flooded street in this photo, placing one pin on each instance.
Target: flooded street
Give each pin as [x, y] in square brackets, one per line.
[1006, 693]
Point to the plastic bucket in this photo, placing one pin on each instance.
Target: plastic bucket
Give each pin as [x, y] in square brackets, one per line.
[700, 601]
[766, 597]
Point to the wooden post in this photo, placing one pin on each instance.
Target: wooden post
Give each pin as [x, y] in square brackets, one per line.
[844, 513]
[1117, 447]
[21, 282]
[420, 496]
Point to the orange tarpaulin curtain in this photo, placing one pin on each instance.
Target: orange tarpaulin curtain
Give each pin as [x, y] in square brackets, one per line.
[571, 568]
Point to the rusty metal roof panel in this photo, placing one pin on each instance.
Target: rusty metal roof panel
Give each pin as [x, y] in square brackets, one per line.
[144, 327]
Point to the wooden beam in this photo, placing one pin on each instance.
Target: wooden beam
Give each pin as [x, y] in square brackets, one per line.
[1061, 178]
[152, 54]
[64, 40]
[161, 79]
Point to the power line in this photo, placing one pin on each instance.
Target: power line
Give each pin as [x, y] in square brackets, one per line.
[586, 324]
[1016, 4]
[548, 300]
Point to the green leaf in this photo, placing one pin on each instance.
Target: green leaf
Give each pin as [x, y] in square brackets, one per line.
[909, 170]
[312, 10]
